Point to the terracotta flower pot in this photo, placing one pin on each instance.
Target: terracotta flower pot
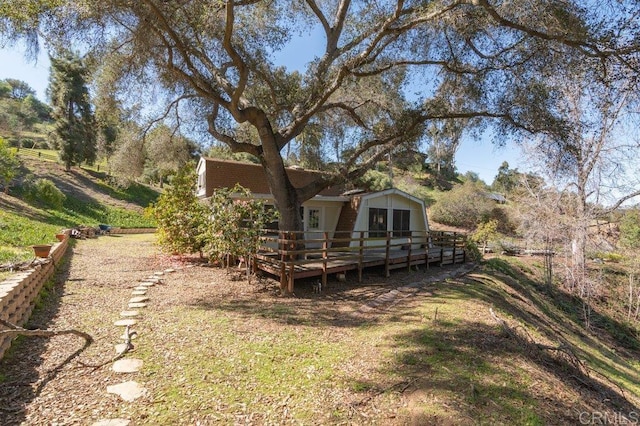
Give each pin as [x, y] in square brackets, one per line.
[42, 250]
[60, 237]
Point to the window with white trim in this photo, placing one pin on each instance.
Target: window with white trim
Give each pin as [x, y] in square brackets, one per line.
[313, 219]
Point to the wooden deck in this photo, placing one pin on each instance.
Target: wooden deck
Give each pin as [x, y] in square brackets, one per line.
[289, 256]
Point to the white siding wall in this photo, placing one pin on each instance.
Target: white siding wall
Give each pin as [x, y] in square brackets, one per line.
[390, 202]
[329, 214]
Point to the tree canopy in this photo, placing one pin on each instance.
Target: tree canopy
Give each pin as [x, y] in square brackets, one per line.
[9, 164]
[19, 108]
[382, 73]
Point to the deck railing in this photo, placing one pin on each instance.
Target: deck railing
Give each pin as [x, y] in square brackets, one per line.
[292, 255]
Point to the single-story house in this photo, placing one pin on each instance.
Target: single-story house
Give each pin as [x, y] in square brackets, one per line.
[332, 210]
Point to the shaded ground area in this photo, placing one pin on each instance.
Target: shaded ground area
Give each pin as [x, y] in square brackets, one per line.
[218, 350]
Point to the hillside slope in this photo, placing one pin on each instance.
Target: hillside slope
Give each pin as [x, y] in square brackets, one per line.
[88, 186]
[89, 200]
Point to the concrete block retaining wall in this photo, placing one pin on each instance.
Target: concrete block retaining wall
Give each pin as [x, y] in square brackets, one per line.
[18, 293]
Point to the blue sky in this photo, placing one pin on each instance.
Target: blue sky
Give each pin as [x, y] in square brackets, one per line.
[479, 156]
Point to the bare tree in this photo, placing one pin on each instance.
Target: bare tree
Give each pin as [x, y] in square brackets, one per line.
[541, 220]
[591, 164]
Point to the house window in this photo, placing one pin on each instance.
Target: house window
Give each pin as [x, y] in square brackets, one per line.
[377, 222]
[401, 223]
[313, 219]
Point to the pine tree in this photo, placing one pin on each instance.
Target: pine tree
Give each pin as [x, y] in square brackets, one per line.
[74, 120]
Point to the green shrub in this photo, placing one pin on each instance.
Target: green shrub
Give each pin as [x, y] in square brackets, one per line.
[608, 256]
[235, 224]
[464, 206]
[9, 164]
[472, 250]
[181, 217]
[45, 193]
[630, 230]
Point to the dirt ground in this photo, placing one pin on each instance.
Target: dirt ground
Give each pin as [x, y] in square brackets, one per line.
[39, 384]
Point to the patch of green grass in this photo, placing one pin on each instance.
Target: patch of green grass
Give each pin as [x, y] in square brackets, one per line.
[446, 354]
[135, 193]
[18, 232]
[76, 212]
[21, 229]
[264, 373]
[361, 386]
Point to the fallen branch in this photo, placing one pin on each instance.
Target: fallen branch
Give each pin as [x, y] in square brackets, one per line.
[128, 347]
[405, 386]
[15, 331]
[45, 333]
[23, 266]
[563, 348]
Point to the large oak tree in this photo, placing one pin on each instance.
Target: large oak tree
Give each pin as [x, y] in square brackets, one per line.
[385, 69]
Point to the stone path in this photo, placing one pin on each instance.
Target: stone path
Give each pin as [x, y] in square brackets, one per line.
[392, 297]
[130, 390]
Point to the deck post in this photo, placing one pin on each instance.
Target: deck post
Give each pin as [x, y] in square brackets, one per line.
[283, 265]
[464, 250]
[453, 253]
[427, 237]
[325, 245]
[410, 241]
[291, 271]
[387, 272]
[292, 246]
[360, 255]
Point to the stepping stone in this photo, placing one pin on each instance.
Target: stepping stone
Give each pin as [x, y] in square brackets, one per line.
[129, 313]
[158, 274]
[141, 288]
[129, 391]
[170, 270]
[145, 285]
[127, 365]
[136, 305]
[125, 322]
[151, 280]
[139, 292]
[138, 299]
[112, 422]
